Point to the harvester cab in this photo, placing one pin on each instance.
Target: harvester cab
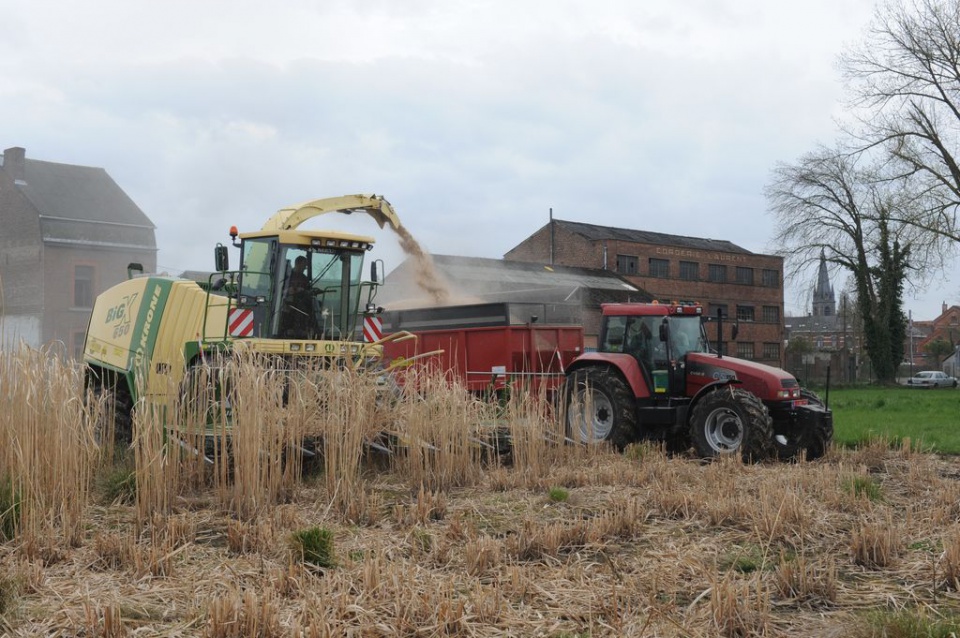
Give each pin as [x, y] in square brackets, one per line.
[298, 285]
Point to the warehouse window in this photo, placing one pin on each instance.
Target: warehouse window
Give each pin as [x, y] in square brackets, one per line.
[745, 350]
[770, 278]
[627, 264]
[83, 286]
[771, 314]
[717, 273]
[744, 313]
[744, 275]
[771, 351]
[689, 270]
[659, 267]
[712, 311]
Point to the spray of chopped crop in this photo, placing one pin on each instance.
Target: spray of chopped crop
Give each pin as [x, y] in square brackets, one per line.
[427, 277]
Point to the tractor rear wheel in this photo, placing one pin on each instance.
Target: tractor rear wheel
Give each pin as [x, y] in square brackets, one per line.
[731, 421]
[600, 407]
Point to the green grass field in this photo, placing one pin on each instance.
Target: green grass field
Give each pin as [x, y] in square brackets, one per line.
[929, 418]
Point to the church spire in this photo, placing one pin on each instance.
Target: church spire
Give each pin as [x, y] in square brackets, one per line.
[824, 301]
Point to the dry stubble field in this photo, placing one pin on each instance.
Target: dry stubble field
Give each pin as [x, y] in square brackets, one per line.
[437, 541]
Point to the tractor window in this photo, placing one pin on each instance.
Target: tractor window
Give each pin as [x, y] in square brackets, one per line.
[687, 335]
[613, 338]
[643, 341]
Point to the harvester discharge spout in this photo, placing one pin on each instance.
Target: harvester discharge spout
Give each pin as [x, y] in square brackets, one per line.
[376, 206]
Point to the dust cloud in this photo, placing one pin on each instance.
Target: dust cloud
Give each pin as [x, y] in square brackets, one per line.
[426, 276]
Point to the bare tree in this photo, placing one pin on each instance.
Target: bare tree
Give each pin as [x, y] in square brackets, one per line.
[905, 80]
[836, 203]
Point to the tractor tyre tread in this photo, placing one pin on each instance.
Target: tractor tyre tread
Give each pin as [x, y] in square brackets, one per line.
[757, 441]
[618, 393]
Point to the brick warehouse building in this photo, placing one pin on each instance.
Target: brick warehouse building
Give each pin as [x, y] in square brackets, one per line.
[715, 273]
[67, 233]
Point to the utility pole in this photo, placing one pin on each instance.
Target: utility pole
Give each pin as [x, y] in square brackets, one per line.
[910, 328]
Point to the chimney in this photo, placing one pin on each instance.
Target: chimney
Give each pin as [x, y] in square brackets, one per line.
[14, 162]
[943, 308]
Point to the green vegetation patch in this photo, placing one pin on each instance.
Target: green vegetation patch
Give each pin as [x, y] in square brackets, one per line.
[315, 545]
[897, 414]
[909, 624]
[863, 487]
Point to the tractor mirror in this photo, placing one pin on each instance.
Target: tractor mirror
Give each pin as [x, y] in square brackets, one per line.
[664, 330]
[221, 258]
[734, 332]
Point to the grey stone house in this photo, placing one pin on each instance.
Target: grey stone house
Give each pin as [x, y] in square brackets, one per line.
[67, 233]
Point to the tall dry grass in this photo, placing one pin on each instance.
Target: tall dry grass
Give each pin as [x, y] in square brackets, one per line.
[437, 427]
[48, 451]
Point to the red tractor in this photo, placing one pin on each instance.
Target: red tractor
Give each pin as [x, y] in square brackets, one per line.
[656, 377]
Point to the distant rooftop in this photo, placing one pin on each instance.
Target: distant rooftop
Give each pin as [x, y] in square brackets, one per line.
[79, 204]
[596, 232]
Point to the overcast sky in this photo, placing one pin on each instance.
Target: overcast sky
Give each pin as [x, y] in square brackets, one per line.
[473, 118]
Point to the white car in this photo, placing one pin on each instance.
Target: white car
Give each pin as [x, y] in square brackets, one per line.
[932, 379]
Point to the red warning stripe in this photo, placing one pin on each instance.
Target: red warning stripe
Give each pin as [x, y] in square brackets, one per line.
[241, 322]
[372, 329]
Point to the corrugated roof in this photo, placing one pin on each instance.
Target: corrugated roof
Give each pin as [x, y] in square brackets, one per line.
[507, 273]
[485, 279]
[594, 232]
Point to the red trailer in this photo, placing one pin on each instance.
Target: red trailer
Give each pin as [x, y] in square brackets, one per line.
[490, 346]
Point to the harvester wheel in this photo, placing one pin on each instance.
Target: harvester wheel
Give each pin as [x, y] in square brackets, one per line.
[813, 441]
[117, 416]
[731, 420]
[600, 407]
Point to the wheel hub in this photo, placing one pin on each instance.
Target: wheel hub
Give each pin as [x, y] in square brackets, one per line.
[723, 430]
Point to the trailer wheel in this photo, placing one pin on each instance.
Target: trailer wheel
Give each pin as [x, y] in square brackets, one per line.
[599, 407]
[813, 441]
[731, 421]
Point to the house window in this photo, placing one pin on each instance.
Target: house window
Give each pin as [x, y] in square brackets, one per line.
[771, 351]
[744, 313]
[717, 273]
[718, 306]
[745, 350]
[744, 275]
[770, 278]
[659, 267]
[771, 314]
[83, 286]
[627, 264]
[689, 270]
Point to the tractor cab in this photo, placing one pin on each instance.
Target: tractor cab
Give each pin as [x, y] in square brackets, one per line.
[659, 337]
[301, 284]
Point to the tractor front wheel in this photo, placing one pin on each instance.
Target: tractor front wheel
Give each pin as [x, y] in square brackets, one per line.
[731, 421]
[812, 441]
[600, 407]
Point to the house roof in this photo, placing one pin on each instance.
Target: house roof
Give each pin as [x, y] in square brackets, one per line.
[83, 205]
[594, 232]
